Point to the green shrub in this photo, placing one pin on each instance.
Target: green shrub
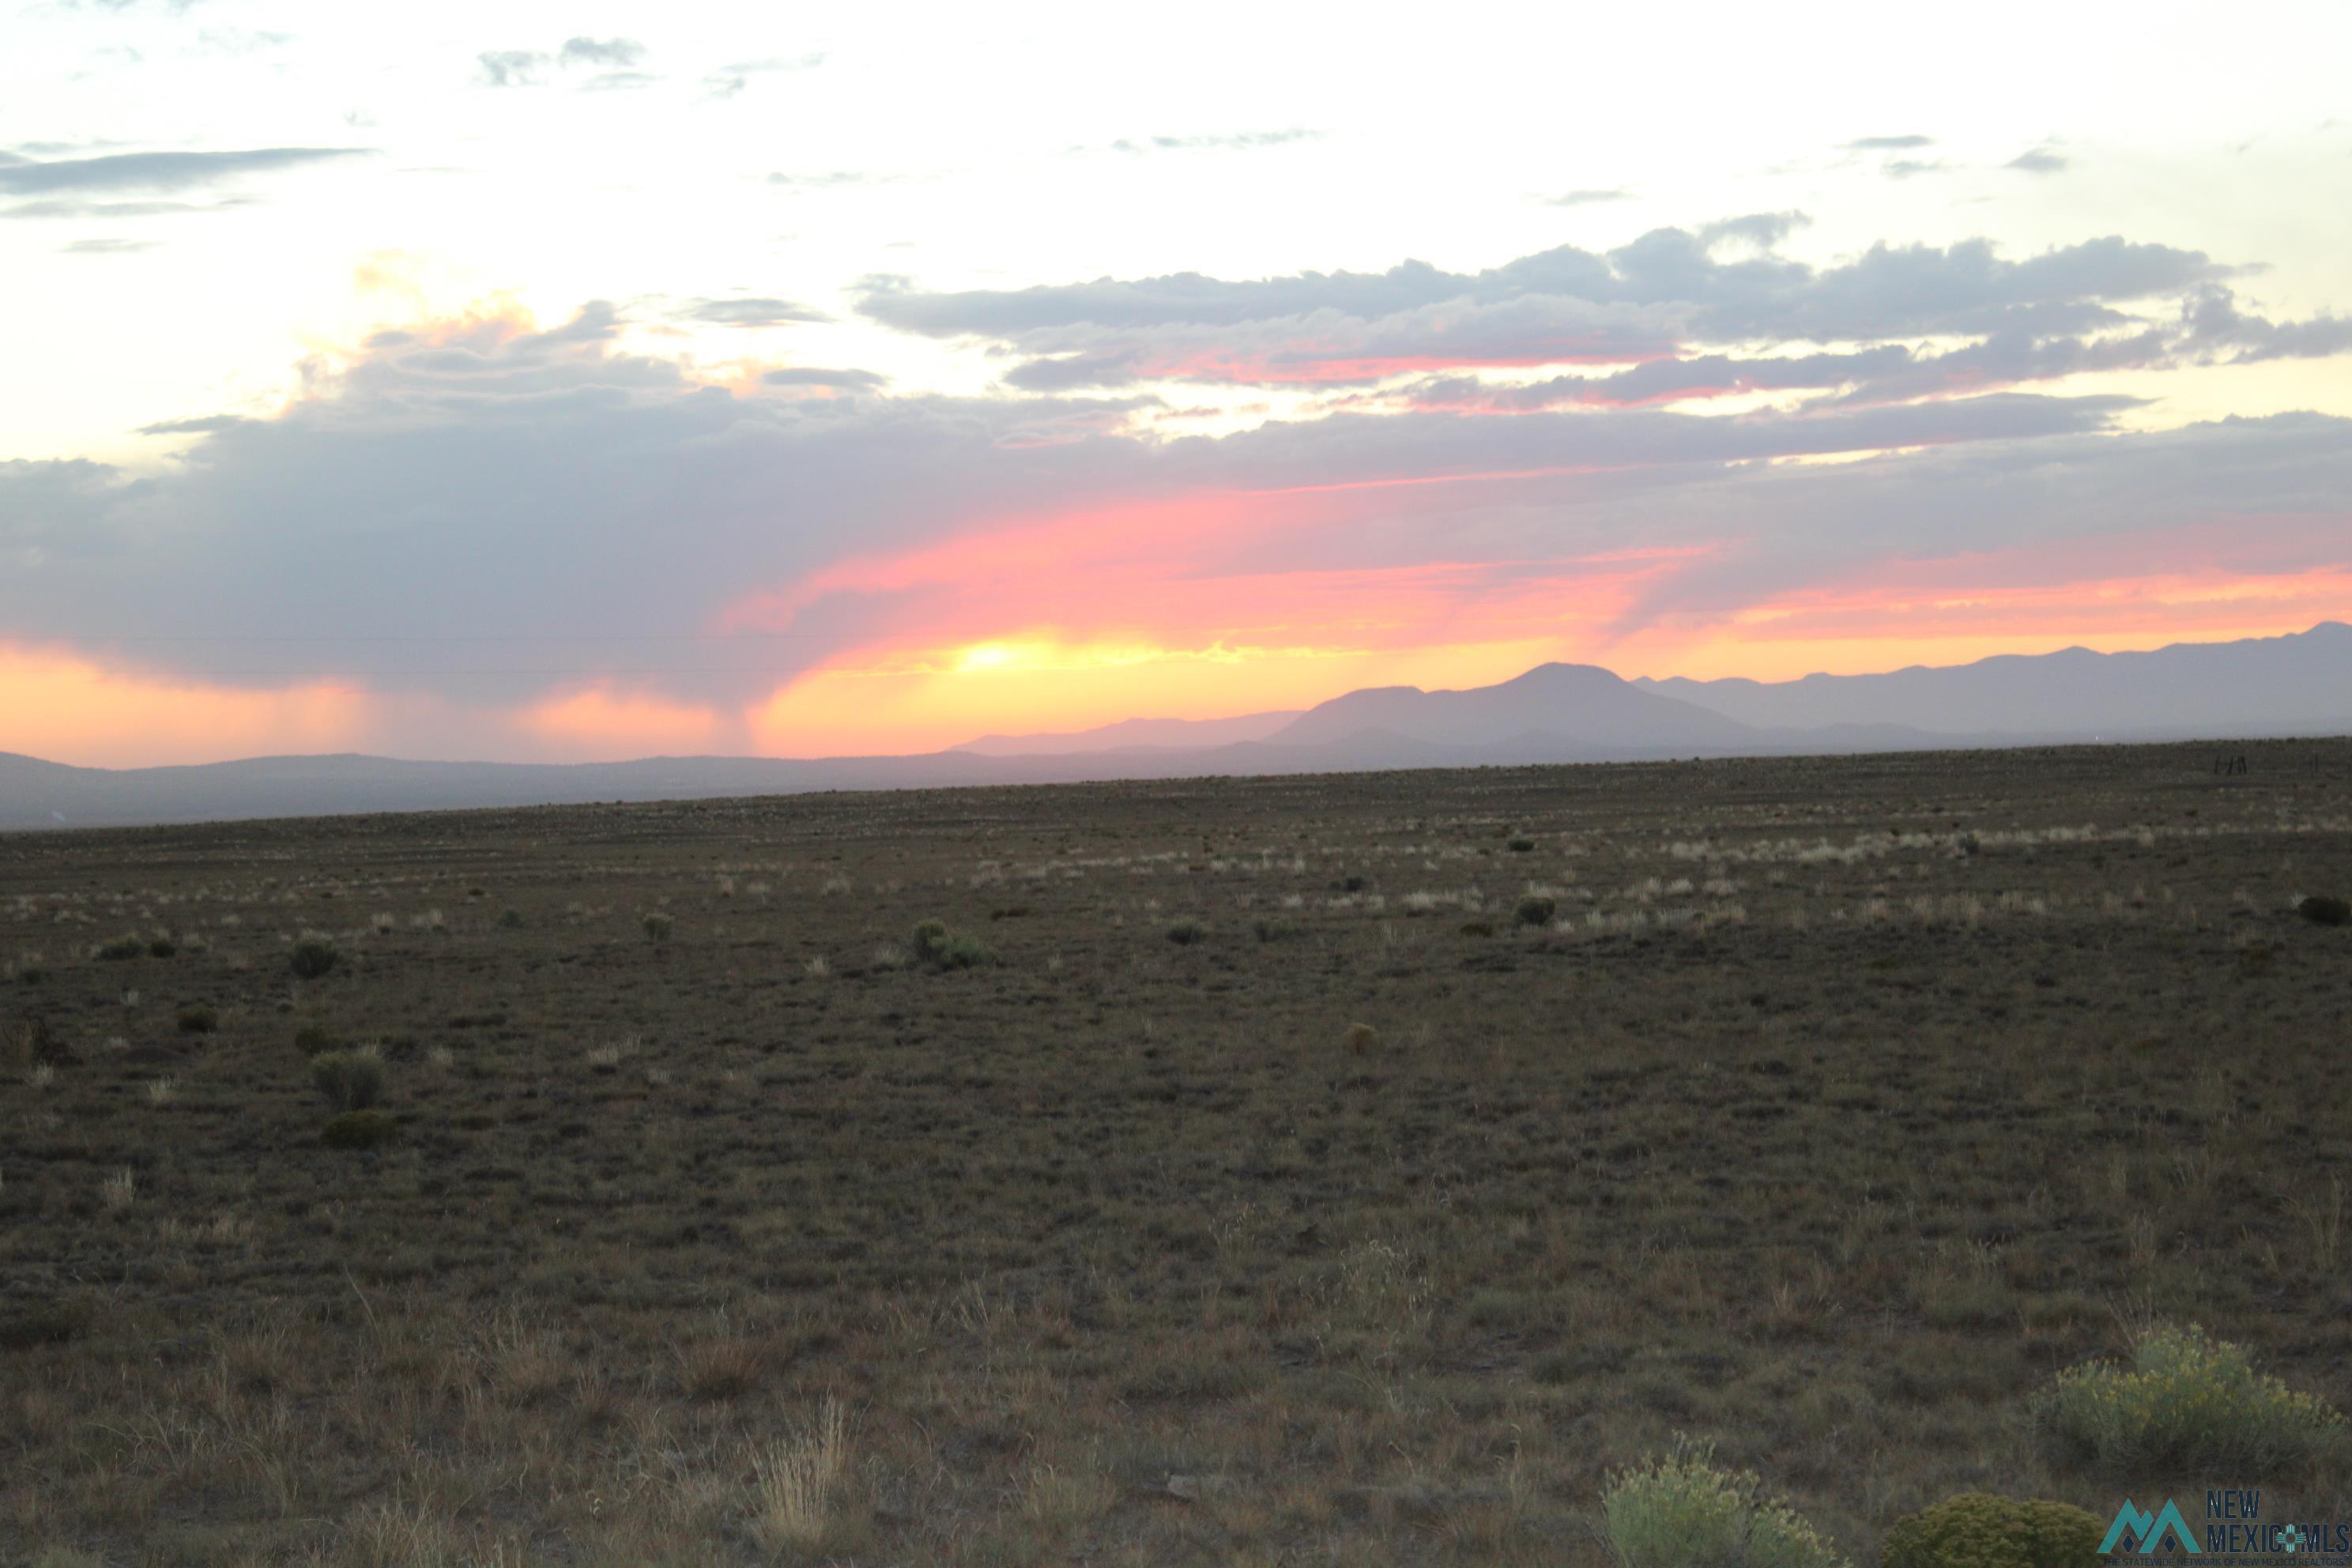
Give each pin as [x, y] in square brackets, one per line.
[1681, 1509]
[162, 947]
[658, 925]
[511, 919]
[31, 975]
[935, 944]
[1184, 933]
[315, 1039]
[2188, 1402]
[123, 947]
[351, 1080]
[2324, 911]
[1977, 1530]
[198, 1020]
[1477, 928]
[359, 1130]
[314, 955]
[1535, 911]
[1521, 846]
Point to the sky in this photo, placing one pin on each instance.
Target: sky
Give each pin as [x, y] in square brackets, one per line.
[597, 381]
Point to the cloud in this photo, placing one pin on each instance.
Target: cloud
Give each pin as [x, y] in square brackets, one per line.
[727, 81]
[107, 246]
[616, 53]
[1588, 198]
[1332, 348]
[485, 477]
[155, 171]
[54, 208]
[1668, 380]
[1227, 141]
[2045, 159]
[832, 380]
[838, 179]
[1763, 231]
[516, 504]
[202, 424]
[2212, 320]
[240, 41]
[1895, 168]
[61, 506]
[512, 68]
[748, 312]
[1669, 294]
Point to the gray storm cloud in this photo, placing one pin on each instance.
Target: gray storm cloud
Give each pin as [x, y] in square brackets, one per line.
[1669, 292]
[118, 172]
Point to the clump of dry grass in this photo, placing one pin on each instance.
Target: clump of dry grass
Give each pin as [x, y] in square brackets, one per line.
[795, 1483]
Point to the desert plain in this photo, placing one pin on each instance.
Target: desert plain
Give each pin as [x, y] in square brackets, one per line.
[1340, 1170]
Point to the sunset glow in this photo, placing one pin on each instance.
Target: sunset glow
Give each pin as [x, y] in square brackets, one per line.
[61, 706]
[779, 394]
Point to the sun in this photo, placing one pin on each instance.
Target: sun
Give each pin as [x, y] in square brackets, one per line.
[985, 655]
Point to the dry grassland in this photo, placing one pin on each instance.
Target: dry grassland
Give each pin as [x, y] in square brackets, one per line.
[1336, 1169]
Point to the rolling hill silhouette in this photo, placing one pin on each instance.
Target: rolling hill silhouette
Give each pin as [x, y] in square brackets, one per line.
[2297, 684]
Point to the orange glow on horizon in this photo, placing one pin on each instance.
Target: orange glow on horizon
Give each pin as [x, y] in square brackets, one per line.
[1035, 683]
[61, 708]
[975, 637]
[1876, 627]
[601, 722]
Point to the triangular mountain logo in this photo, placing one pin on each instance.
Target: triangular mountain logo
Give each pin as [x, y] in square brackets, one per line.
[2149, 1529]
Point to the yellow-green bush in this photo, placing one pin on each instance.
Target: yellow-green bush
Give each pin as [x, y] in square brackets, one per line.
[1681, 1509]
[2188, 1402]
[941, 948]
[1977, 1530]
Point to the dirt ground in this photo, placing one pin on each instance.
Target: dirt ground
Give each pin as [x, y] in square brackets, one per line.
[1338, 1169]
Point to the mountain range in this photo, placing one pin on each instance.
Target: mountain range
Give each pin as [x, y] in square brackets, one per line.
[2296, 684]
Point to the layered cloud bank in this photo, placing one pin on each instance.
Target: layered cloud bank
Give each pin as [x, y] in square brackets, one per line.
[1693, 454]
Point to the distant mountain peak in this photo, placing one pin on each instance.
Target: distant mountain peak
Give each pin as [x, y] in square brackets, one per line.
[2298, 683]
[1562, 674]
